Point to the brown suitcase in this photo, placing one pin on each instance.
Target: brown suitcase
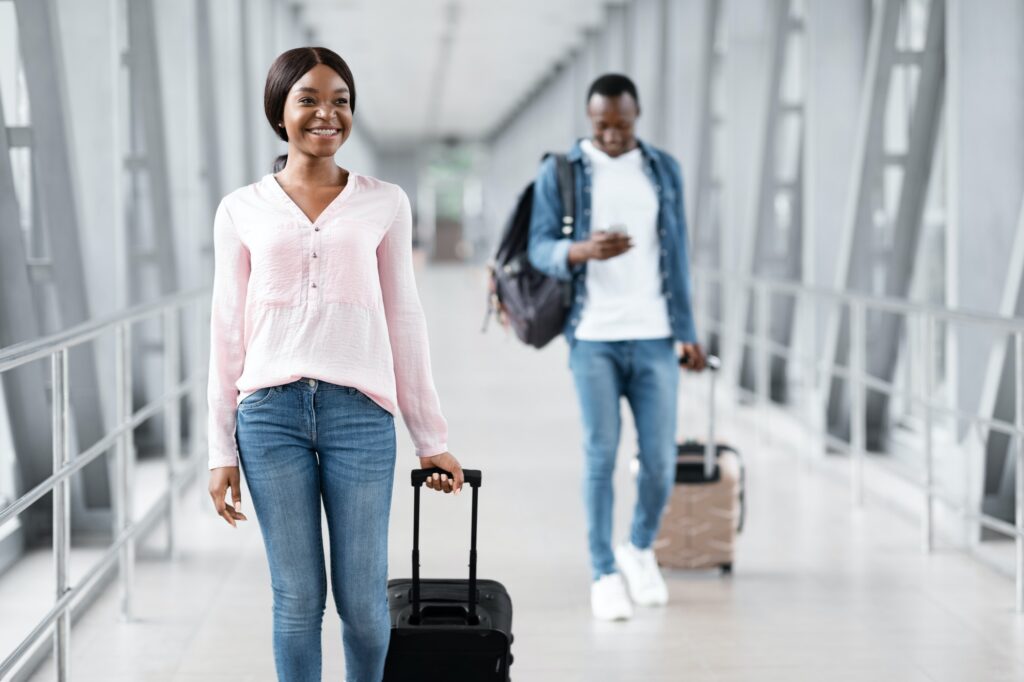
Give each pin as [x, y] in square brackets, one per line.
[705, 511]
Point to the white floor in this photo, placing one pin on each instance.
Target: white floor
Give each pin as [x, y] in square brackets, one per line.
[820, 592]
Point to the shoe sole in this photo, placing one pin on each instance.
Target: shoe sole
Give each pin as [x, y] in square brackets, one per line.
[650, 604]
[616, 619]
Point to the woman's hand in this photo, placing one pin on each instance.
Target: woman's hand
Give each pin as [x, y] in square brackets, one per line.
[221, 479]
[446, 461]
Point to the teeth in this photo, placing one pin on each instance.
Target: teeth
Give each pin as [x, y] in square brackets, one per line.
[324, 131]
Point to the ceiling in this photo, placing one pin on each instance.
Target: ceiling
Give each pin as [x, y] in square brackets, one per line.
[426, 69]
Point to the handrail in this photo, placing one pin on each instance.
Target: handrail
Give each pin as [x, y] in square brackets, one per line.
[180, 469]
[27, 351]
[880, 303]
[764, 348]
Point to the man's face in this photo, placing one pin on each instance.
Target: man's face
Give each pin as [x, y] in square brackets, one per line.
[613, 120]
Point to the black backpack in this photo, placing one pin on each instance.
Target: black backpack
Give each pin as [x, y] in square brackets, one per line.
[535, 304]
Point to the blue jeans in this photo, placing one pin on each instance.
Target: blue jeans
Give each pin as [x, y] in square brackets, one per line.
[646, 372]
[299, 443]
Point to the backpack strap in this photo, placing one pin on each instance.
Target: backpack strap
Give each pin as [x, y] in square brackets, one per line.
[567, 188]
[567, 191]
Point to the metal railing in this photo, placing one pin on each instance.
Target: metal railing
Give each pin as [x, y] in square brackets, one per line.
[65, 465]
[180, 470]
[806, 300]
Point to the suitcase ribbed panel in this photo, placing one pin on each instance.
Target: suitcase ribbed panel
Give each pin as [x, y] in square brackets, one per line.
[698, 529]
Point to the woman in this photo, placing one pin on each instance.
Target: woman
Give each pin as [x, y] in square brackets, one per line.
[317, 337]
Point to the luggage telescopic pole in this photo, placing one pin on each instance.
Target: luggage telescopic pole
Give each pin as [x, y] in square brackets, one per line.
[416, 557]
[472, 560]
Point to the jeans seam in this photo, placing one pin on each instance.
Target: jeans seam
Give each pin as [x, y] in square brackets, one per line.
[312, 419]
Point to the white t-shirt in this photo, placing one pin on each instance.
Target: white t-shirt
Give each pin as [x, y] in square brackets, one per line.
[624, 299]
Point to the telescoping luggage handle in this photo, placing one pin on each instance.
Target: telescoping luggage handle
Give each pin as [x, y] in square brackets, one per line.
[712, 363]
[419, 476]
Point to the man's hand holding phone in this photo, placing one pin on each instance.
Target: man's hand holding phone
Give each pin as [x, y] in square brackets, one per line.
[603, 244]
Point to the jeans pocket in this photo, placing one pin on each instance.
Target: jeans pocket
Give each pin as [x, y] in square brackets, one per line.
[258, 397]
[367, 400]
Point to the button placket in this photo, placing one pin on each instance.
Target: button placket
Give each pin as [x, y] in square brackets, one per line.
[314, 265]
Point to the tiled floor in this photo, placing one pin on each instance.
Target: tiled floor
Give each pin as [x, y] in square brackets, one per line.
[820, 592]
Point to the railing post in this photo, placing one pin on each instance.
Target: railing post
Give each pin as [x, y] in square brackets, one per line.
[698, 301]
[927, 526]
[61, 506]
[708, 283]
[858, 387]
[172, 419]
[122, 487]
[809, 365]
[762, 350]
[198, 430]
[826, 365]
[728, 329]
[1018, 366]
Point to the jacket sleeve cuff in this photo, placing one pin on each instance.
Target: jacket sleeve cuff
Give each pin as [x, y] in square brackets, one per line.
[689, 334]
[560, 258]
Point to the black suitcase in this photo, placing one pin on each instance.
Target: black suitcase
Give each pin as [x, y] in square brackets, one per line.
[448, 630]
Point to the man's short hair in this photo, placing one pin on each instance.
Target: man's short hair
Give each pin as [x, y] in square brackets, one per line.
[613, 85]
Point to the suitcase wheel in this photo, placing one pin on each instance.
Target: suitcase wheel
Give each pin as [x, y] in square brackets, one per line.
[726, 569]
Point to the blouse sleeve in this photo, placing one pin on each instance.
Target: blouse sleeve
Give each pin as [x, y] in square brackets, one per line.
[407, 330]
[227, 346]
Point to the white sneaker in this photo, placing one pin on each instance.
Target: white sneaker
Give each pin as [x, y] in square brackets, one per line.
[609, 600]
[640, 569]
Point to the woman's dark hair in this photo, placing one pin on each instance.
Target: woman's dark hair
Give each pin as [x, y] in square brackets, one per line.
[288, 68]
[613, 85]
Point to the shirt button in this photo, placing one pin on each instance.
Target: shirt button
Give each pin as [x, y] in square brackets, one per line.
[586, 212]
[314, 255]
[314, 285]
[316, 229]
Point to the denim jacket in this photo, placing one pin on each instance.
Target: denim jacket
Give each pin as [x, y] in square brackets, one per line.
[550, 241]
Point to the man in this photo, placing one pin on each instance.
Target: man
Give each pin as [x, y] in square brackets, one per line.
[626, 255]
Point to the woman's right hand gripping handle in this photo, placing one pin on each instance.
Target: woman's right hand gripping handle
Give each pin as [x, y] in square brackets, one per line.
[221, 479]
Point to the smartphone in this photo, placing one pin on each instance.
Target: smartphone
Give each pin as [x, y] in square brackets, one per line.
[617, 228]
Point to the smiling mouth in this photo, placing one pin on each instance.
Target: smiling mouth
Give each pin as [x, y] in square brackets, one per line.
[324, 132]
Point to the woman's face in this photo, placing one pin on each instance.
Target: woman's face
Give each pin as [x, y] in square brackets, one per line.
[317, 115]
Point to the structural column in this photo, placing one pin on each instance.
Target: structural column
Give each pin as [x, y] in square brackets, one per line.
[985, 125]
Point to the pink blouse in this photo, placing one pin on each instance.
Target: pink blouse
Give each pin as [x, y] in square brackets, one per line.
[333, 300]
